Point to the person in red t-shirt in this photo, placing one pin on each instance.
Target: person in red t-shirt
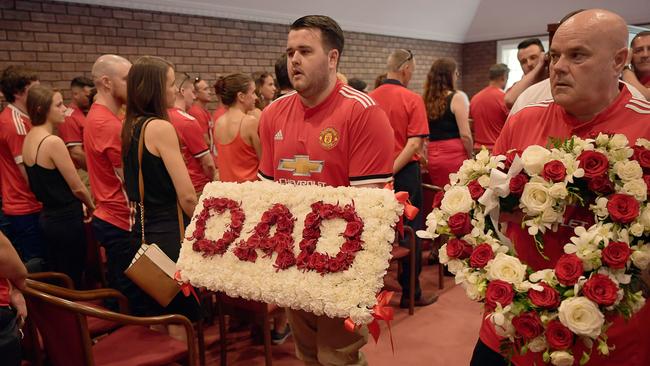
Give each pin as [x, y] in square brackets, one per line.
[12, 304]
[199, 110]
[19, 204]
[113, 216]
[325, 133]
[408, 117]
[71, 131]
[637, 69]
[487, 108]
[587, 55]
[196, 152]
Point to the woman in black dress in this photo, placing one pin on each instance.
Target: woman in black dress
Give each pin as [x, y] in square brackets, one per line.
[54, 180]
[151, 91]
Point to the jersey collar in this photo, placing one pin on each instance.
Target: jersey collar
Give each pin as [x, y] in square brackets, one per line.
[622, 98]
[392, 82]
[16, 109]
[315, 109]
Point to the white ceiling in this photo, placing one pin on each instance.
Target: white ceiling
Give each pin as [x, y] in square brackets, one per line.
[452, 21]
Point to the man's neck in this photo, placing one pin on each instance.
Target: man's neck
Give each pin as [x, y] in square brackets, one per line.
[584, 116]
[201, 103]
[108, 101]
[20, 105]
[320, 96]
[180, 104]
[496, 84]
[395, 76]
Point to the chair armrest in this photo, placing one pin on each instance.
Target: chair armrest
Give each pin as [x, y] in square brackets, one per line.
[86, 295]
[55, 278]
[431, 187]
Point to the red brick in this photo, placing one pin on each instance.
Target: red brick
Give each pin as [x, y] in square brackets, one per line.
[3, 34]
[28, 5]
[19, 36]
[71, 38]
[47, 37]
[122, 14]
[23, 56]
[51, 57]
[101, 12]
[35, 46]
[78, 10]
[132, 24]
[59, 28]
[15, 15]
[70, 58]
[66, 65]
[54, 8]
[161, 18]
[83, 29]
[35, 27]
[67, 19]
[103, 49]
[60, 47]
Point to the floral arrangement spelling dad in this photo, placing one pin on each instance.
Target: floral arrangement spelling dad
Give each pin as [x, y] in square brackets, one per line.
[550, 310]
[320, 249]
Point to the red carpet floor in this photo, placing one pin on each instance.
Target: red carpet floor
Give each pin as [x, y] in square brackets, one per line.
[443, 333]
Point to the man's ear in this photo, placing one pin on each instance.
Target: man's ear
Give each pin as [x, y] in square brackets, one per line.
[620, 58]
[333, 57]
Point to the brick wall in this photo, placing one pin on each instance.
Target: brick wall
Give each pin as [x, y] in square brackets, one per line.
[477, 59]
[62, 40]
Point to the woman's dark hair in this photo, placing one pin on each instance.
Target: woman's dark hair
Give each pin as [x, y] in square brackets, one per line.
[440, 80]
[146, 86]
[260, 77]
[39, 102]
[228, 86]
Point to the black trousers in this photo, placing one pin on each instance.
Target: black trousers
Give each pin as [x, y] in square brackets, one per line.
[64, 233]
[409, 179]
[9, 338]
[485, 356]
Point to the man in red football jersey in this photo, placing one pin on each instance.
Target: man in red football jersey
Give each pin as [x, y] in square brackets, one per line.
[71, 131]
[19, 204]
[324, 133]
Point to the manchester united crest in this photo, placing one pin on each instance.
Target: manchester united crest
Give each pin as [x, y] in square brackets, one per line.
[328, 138]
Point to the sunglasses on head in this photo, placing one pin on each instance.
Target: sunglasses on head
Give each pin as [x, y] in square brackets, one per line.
[407, 59]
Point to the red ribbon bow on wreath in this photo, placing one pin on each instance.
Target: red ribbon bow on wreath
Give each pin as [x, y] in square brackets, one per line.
[186, 288]
[381, 311]
[410, 211]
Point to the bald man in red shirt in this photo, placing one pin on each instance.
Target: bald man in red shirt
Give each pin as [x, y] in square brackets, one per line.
[488, 109]
[587, 56]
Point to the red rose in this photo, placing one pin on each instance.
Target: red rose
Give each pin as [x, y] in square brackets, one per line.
[616, 254]
[285, 259]
[601, 184]
[558, 336]
[311, 233]
[457, 248]
[327, 211]
[353, 229]
[437, 199]
[460, 223]
[335, 265]
[318, 262]
[517, 184]
[498, 292]
[510, 157]
[312, 220]
[554, 171]
[548, 298]
[481, 255]
[642, 155]
[302, 262]
[475, 189]
[351, 246]
[594, 163]
[308, 245]
[622, 208]
[601, 290]
[284, 223]
[568, 269]
[528, 325]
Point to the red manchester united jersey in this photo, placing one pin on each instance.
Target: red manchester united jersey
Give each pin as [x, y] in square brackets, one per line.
[489, 112]
[17, 198]
[103, 148]
[193, 145]
[71, 131]
[405, 110]
[345, 140]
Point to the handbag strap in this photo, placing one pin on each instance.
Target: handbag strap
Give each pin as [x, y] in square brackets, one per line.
[181, 225]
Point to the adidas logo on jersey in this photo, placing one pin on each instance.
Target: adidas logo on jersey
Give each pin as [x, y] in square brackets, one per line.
[278, 136]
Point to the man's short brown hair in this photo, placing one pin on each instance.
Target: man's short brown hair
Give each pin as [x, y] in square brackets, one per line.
[639, 35]
[331, 32]
[14, 80]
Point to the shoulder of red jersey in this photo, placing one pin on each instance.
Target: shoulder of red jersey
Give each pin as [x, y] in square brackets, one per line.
[186, 115]
[356, 96]
[284, 99]
[638, 105]
[541, 104]
[17, 120]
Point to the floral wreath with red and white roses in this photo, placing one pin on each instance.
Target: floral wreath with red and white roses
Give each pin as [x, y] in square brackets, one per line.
[549, 311]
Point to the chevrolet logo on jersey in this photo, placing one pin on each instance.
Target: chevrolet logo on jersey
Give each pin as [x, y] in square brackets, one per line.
[301, 166]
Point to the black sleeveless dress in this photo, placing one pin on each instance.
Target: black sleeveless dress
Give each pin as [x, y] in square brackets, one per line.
[61, 220]
[160, 220]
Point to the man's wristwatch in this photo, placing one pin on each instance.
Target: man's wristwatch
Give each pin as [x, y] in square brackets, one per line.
[627, 67]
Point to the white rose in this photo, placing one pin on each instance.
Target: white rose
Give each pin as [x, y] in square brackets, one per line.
[582, 316]
[442, 254]
[534, 158]
[535, 198]
[455, 266]
[620, 154]
[636, 229]
[628, 170]
[558, 190]
[618, 141]
[538, 344]
[636, 188]
[643, 142]
[644, 217]
[561, 358]
[600, 208]
[506, 268]
[641, 256]
[551, 216]
[602, 139]
[473, 291]
[457, 199]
